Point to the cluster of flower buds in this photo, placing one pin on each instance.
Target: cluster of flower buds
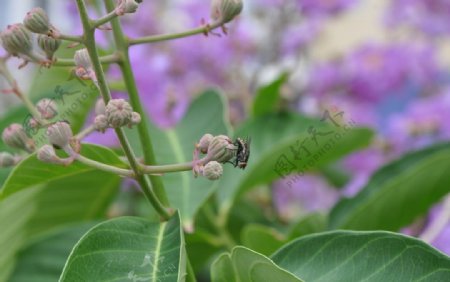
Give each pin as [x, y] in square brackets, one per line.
[84, 69]
[126, 7]
[59, 135]
[8, 160]
[116, 114]
[17, 39]
[224, 11]
[218, 149]
[15, 136]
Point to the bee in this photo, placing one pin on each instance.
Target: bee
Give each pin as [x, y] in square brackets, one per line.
[242, 152]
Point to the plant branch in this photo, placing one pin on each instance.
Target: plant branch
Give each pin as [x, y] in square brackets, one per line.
[108, 59]
[85, 132]
[89, 31]
[163, 37]
[106, 18]
[73, 38]
[130, 83]
[104, 167]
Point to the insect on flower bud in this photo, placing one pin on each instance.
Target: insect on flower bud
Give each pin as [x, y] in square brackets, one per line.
[204, 142]
[59, 134]
[118, 113]
[37, 21]
[16, 39]
[126, 6]
[47, 154]
[225, 10]
[100, 107]
[135, 118]
[101, 123]
[49, 45]
[15, 137]
[213, 170]
[6, 159]
[221, 149]
[47, 108]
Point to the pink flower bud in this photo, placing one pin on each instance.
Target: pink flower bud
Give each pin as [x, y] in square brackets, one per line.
[213, 170]
[204, 142]
[126, 6]
[100, 107]
[119, 113]
[49, 45]
[47, 108]
[135, 118]
[59, 134]
[15, 137]
[225, 10]
[47, 154]
[16, 39]
[101, 123]
[37, 21]
[221, 149]
[6, 159]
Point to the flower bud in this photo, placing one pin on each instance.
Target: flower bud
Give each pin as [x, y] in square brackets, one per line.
[213, 170]
[49, 45]
[37, 21]
[6, 159]
[101, 123]
[225, 10]
[221, 149]
[59, 134]
[118, 112]
[16, 39]
[15, 137]
[47, 154]
[204, 142]
[126, 6]
[135, 118]
[100, 107]
[47, 108]
[82, 59]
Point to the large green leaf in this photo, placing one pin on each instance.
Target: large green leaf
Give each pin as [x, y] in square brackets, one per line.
[397, 193]
[43, 260]
[273, 137]
[207, 114]
[39, 209]
[267, 99]
[246, 265]
[262, 239]
[363, 256]
[31, 172]
[129, 248]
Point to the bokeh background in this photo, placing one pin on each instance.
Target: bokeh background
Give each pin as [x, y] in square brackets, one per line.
[384, 63]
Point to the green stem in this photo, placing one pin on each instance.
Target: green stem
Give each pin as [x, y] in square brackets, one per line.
[106, 18]
[85, 132]
[89, 39]
[66, 37]
[163, 37]
[130, 83]
[16, 90]
[108, 59]
[104, 167]
[221, 230]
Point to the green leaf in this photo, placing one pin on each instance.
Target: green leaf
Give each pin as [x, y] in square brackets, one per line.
[311, 223]
[43, 260]
[363, 256]
[246, 265]
[267, 99]
[397, 193]
[273, 137]
[31, 172]
[207, 114]
[39, 209]
[129, 248]
[262, 239]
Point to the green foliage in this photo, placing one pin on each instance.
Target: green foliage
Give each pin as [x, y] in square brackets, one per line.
[246, 265]
[129, 248]
[397, 193]
[267, 99]
[362, 256]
